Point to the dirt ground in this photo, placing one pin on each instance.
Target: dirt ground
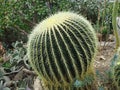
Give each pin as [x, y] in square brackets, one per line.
[102, 63]
[104, 55]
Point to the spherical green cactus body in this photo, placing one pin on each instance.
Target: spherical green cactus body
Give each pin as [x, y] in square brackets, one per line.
[61, 49]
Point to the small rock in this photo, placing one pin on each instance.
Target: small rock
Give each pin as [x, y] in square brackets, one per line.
[111, 38]
[39, 85]
[99, 36]
[102, 58]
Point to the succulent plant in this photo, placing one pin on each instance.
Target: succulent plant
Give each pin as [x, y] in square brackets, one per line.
[117, 75]
[61, 50]
[116, 69]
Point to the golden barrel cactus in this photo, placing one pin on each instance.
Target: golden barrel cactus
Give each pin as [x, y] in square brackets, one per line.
[61, 49]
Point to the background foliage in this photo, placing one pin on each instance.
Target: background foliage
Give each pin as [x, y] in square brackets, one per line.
[18, 17]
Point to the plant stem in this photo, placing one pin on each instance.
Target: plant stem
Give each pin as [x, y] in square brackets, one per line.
[114, 23]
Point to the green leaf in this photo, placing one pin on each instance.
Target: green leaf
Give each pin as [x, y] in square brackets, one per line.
[6, 88]
[3, 88]
[1, 74]
[101, 88]
[7, 65]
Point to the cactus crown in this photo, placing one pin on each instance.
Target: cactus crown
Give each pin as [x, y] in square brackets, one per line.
[61, 48]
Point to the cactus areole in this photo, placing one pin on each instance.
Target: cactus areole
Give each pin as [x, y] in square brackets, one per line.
[61, 48]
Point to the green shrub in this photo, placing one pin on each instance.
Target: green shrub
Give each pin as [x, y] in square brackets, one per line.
[17, 17]
[15, 60]
[16, 57]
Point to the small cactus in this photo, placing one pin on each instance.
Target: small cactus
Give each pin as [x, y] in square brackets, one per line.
[61, 50]
[117, 76]
[116, 69]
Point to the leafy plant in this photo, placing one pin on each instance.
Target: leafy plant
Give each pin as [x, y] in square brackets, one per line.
[16, 57]
[17, 17]
[3, 88]
[11, 71]
[87, 8]
[104, 18]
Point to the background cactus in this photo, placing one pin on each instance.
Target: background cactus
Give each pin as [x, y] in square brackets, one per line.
[116, 69]
[61, 50]
[117, 76]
